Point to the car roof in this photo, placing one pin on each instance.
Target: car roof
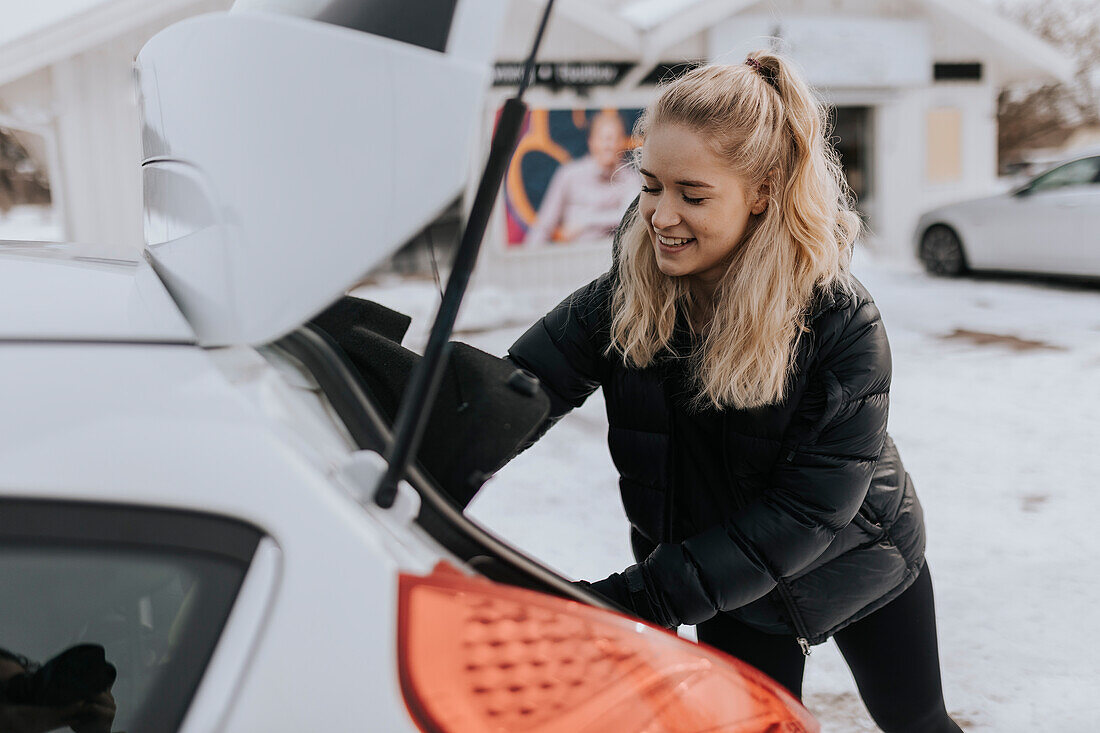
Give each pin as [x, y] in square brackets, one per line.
[142, 424]
[68, 292]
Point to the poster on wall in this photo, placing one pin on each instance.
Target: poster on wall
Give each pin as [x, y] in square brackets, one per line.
[571, 178]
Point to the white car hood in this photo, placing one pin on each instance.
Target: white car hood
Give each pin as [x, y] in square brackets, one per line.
[68, 292]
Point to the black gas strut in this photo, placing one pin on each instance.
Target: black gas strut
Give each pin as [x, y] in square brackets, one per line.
[412, 413]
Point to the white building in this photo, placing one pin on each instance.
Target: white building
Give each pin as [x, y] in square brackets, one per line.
[66, 75]
[914, 83]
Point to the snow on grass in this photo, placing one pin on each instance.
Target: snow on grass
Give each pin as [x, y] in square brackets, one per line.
[31, 224]
[1000, 441]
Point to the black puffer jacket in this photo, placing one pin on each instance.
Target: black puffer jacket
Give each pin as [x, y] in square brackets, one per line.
[827, 527]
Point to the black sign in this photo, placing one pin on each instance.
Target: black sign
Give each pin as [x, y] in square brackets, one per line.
[667, 71]
[558, 74]
[956, 72]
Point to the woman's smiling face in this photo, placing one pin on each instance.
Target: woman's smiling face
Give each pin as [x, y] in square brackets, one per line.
[695, 207]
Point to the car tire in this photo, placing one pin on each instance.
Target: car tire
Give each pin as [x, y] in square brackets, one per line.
[941, 252]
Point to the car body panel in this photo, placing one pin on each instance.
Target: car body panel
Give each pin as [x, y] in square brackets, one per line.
[268, 194]
[1077, 245]
[972, 220]
[1050, 231]
[237, 645]
[162, 426]
[52, 292]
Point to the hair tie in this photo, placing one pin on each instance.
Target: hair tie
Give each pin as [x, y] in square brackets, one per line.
[768, 74]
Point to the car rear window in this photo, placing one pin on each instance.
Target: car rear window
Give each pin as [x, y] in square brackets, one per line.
[109, 614]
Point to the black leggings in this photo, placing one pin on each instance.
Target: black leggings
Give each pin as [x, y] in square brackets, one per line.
[892, 654]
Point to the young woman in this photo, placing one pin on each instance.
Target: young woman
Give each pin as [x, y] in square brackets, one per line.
[746, 375]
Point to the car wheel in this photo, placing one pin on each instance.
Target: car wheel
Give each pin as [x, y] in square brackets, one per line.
[941, 252]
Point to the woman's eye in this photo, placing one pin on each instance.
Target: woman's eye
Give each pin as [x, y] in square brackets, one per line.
[647, 189]
[693, 201]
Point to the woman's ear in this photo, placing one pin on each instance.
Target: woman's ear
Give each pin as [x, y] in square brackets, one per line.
[762, 195]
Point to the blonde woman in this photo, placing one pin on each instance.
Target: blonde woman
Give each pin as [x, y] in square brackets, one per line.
[747, 378]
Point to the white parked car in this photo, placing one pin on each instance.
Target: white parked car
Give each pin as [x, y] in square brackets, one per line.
[1049, 225]
[192, 535]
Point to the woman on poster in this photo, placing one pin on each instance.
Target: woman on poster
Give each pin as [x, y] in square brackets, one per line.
[586, 197]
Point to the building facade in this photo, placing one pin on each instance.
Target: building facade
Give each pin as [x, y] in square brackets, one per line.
[913, 87]
[913, 84]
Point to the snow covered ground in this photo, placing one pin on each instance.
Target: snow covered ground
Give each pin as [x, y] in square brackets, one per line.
[996, 410]
[30, 223]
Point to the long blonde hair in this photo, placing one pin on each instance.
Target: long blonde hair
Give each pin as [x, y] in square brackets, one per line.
[770, 127]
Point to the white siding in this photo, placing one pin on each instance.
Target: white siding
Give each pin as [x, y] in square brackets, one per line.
[98, 136]
[901, 153]
[86, 106]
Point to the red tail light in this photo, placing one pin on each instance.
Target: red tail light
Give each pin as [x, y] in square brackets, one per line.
[479, 656]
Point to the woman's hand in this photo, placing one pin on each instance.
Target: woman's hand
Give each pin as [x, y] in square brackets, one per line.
[632, 591]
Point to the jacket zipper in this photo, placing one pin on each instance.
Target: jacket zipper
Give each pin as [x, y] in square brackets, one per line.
[799, 626]
[781, 585]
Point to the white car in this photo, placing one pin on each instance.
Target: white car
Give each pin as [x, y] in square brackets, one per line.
[1050, 225]
[192, 535]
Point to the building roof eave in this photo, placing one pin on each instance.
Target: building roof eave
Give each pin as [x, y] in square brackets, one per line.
[596, 19]
[1022, 55]
[1025, 56]
[69, 35]
[703, 15]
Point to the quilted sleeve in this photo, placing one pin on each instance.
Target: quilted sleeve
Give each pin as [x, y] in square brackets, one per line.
[566, 348]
